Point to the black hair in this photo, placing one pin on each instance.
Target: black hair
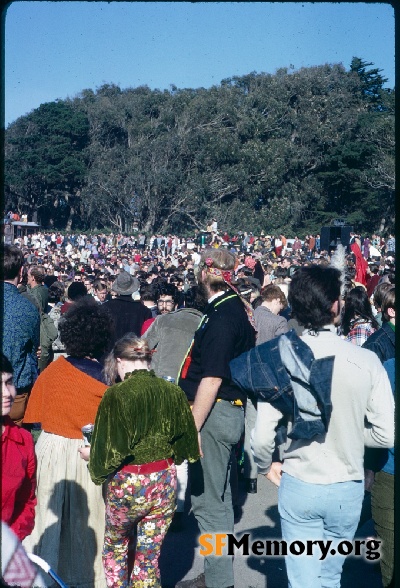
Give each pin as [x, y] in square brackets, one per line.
[175, 278]
[280, 272]
[194, 299]
[50, 280]
[312, 292]
[11, 260]
[56, 292]
[86, 329]
[24, 276]
[148, 292]
[142, 276]
[5, 364]
[257, 302]
[258, 272]
[165, 289]
[389, 301]
[76, 290]
[357, 305]
[244, 288]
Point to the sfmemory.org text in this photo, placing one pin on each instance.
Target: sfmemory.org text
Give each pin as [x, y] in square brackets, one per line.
[227, 544]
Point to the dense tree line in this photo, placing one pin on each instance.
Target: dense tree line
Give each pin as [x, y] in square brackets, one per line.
[288, 151]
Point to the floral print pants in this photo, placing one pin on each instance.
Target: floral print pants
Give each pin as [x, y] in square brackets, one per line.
[143, 504]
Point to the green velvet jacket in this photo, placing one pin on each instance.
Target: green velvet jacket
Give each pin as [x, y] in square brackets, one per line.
[140, 420]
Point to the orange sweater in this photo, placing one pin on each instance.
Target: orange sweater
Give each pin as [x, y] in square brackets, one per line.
[64, 399]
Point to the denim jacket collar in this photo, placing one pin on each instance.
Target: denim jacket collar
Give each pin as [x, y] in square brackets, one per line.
[284, 372]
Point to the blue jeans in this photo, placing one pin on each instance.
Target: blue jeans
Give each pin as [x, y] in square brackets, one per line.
[328, 512]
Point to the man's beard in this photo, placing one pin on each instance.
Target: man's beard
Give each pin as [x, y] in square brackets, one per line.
[202, 292]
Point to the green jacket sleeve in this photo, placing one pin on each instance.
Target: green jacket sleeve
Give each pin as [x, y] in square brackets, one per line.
[186, 443]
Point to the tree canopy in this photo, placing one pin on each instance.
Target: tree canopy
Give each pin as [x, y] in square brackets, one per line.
[281, 152]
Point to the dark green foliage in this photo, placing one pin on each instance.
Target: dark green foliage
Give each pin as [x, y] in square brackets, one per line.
[371, 81]
[45, 162]
[289, 151]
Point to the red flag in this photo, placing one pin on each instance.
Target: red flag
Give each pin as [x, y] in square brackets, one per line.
[361, 265]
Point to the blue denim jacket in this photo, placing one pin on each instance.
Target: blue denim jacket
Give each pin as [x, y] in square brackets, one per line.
[382, 342]
[285, 373]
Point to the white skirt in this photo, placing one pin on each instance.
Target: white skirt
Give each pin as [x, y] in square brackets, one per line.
[70, 514]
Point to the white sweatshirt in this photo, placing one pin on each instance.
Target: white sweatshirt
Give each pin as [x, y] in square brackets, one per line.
[362, 415]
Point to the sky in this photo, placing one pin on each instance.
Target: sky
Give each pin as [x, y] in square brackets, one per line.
[57, 49]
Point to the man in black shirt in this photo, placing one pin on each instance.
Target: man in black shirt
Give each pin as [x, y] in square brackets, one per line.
[128, 314]
[225, 332]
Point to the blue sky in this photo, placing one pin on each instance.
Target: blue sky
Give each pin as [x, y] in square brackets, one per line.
[56, 49]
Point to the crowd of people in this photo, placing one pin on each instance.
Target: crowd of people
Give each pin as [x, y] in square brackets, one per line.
[170, 348]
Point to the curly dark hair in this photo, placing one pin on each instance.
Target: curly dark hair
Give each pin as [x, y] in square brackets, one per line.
[165, 289]
[86, 329]
[312, 293]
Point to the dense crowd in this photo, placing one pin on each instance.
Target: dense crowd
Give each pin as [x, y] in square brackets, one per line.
[135, 335]
[158, 258]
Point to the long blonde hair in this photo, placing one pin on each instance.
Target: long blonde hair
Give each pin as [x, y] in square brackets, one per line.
[129, 347]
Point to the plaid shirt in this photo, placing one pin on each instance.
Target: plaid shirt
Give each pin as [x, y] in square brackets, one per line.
[360, 331]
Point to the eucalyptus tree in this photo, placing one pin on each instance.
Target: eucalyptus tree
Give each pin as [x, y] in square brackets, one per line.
[284, 151]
